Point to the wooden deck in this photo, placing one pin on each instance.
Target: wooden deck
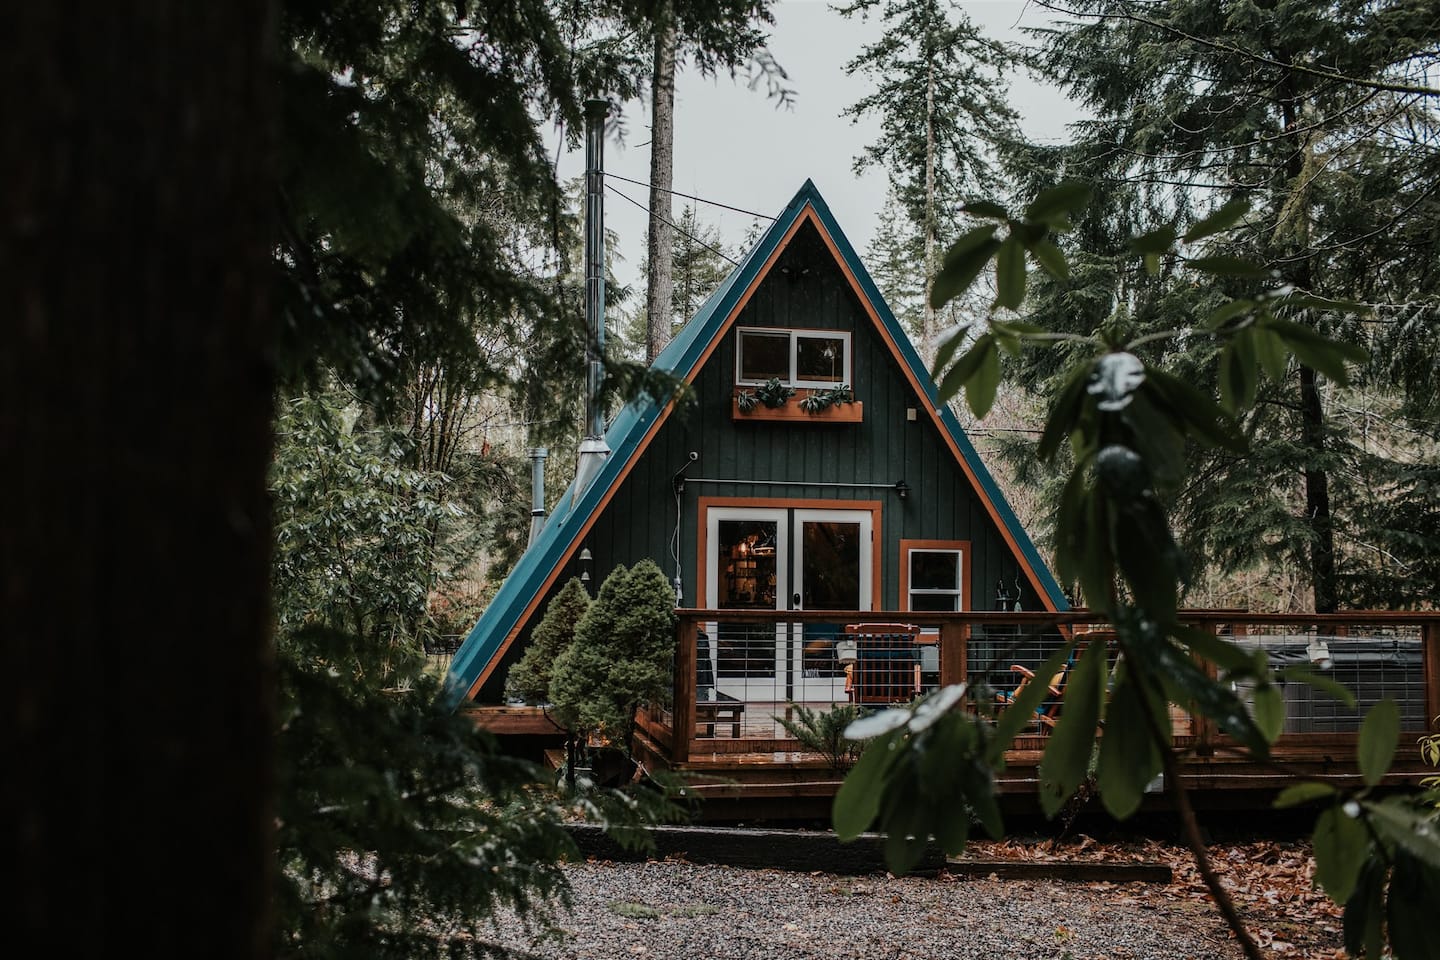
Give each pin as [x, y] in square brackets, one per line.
[723, 734]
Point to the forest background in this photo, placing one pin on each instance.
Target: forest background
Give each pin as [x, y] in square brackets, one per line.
[291, 262]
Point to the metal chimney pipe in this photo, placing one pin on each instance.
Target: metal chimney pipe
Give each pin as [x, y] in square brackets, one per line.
[593, 449]
[537, 491]
[595, 113]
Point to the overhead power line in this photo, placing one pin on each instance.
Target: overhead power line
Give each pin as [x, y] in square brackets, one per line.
[717, 252]
[713, 203]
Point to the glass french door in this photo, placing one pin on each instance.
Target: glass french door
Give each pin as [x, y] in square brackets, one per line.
[781, 559]
[833, 570]
[746, 568]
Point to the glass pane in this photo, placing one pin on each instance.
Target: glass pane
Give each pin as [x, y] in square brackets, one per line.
[747, 565]
[820, 358]
[831, 578]
[764, 355]
[934, 601]
[934, 570]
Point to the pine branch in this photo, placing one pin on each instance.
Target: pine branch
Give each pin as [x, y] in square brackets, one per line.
[1250, 55]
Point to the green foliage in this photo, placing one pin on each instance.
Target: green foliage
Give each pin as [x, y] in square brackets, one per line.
[823, 732]
[924, 774]
[773, 393]
[1430, 753]
[1337, 205]
[400, 827]
[1126, 420]
[1125, 425]
[1066, 762]
[621, 656]
[353, 527]
[818, 400]
[530, 677]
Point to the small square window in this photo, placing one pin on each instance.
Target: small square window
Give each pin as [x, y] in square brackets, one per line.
[820, 359]
[933, 575]
[797, 358]
[764, 355]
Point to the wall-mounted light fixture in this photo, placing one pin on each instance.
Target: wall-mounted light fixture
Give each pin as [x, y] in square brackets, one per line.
[586, 560]
[902, 488]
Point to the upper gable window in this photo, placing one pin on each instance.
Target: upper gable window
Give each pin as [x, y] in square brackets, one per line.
[800, 358]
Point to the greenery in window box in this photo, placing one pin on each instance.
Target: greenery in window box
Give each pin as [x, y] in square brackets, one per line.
[772, 394]
[818, 400]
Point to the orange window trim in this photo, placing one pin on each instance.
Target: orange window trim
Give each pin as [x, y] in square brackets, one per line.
[705, 504]
[961, 546]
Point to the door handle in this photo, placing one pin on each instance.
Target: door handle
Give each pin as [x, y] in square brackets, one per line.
[795, 602]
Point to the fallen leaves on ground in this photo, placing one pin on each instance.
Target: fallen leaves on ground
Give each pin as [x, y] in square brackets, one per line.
[1270, 882]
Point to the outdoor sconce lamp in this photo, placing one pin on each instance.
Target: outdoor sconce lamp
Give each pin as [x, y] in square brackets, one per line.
[902, 488]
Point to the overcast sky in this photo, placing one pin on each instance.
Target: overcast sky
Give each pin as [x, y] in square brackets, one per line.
[734, 146]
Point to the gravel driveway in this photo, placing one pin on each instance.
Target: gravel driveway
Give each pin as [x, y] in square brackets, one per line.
[672, 910]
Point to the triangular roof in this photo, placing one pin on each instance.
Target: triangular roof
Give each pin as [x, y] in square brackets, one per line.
[639, 420]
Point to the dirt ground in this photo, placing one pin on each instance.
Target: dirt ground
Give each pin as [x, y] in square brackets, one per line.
[1270, 882]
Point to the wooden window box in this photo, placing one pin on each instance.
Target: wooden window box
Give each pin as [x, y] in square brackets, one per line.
[853, 412]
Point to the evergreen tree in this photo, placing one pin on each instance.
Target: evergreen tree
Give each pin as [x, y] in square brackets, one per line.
[941, 97]
[385, 797]
[675, 41]
[699, 263]
[529, 678]
[621, 656]
[1198, 102]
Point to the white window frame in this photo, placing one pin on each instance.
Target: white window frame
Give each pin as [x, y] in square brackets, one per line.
[959, 549]
[796, 334]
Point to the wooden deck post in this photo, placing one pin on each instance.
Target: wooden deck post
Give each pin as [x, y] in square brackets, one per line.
[954, 651]
[1202, 726]
[682, 714]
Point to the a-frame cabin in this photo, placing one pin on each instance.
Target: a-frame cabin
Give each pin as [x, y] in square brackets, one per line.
[879, 504]
[785, 526]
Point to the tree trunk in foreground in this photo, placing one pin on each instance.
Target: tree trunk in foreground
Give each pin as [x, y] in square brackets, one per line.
[135, 405]
[661, 242]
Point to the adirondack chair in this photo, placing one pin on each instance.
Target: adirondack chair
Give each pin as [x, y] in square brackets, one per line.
[886, 668]
[1049, 708]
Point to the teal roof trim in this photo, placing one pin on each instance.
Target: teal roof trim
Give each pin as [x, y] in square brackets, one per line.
[624, 437]
[632, 424]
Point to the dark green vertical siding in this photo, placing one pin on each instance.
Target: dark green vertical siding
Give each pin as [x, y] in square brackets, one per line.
[783, 457]
[806, 288]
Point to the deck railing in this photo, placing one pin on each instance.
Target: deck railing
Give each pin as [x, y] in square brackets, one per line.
[739, 674]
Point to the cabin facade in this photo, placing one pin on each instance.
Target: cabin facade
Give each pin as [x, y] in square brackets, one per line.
[846, 545]
[859, 493]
